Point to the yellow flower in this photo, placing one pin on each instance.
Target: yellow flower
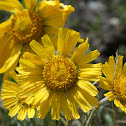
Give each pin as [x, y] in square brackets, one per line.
[60, 80]
[115, 81]
[26, 24]
[14, 103]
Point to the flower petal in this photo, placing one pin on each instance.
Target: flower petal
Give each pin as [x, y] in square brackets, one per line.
[83, 59]
[23, 112]
[31, 112]
[13, 111]
[55, 103]
[121, 105]
[91, 99]
[41, 96]
[53, 13]
[110, 95]
[124, 70]
[39, 49]
[90, 72]
[34, 58]
[87, 87]
[65, 106]
[30, 4]
[43, 109]
[80, 100]
[8, 103]
[105, 84]
[119, 65]
[107, 71]
[80, 50]
[9, 53]
[11, 5]
[67, 41]
[48, 45]
[4, 27]
[24, 69]
[73, 106]
[29, 88]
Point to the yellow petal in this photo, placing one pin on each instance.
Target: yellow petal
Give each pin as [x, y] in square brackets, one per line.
[39, 49]
[80, 100]
[48, 45]
[41, 96]
[67, 41]
[87, 87]
[44, 109]
[31, 112]
[110, 95]
[23, 112]
[10, 57]
[26, 48]
[91, 99]
[53, 13]
[105, 84]
[60, 41]
[30, 4]
[13, 111]
[5, 94]
[34, 58]
[29, 70]
[10, 74]
[29, 88]
[73, 106]
[121, 105]
[124, 70]
[29, 100]
[90, 72]
[4, 27]
[53, 37]
[80, 50]
[8, 103]
[111, 62]
[65, 107]
[119, 65]
[55, 103]
[107, 71]
[10, 85]
[11, 5]
[83, 59]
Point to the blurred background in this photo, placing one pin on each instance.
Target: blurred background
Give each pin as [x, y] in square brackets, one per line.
[104, 23]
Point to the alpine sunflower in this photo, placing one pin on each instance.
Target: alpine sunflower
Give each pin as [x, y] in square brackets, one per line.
[115, 81]
[60, 80]
[26, 24]
[14, 103]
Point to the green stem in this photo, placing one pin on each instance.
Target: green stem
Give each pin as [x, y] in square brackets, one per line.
[63, 121]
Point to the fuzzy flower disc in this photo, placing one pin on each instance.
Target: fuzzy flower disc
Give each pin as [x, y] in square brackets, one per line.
[120, 87]
[59, 73]
[26, 26]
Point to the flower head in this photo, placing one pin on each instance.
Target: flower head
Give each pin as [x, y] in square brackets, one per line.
[60, 80]
[115, 81]
[14, 103]
[27, 24]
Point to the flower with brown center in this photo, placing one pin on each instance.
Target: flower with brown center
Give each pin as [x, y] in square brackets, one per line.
[13, 102]
[27, 24]
[115, 81]
[60, 80]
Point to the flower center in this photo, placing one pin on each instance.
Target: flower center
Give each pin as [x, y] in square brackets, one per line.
[119, 87]
[26, 26]
[60, 73]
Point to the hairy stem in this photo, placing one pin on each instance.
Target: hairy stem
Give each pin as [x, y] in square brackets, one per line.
[104, 100]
